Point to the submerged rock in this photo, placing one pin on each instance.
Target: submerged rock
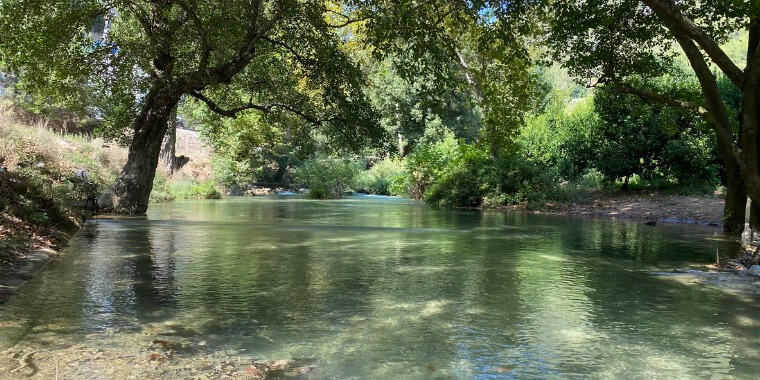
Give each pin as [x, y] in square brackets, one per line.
[755, 270]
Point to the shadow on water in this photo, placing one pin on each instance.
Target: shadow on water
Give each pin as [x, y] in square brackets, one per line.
[391, 288]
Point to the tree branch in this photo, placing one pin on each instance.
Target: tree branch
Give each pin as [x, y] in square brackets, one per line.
[347, 19]
[715, 105]
[649, 96]
[201, 30]
[300, 58]
[224, 72]
[677, 19]
[232, 112]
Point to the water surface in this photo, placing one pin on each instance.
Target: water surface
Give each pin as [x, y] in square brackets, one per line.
[389, 288]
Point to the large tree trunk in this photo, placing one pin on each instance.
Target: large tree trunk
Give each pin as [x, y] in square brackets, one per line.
[735, 206]
[750, 122]
[132, 188]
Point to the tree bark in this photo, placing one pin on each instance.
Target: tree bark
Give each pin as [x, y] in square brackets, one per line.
[735, 205]
[131, 190]
[168, 147]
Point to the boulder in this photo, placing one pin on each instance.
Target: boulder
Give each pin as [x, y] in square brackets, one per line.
[755, 270]
[105, 201]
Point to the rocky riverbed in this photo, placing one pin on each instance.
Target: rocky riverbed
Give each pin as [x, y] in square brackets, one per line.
[161, 350]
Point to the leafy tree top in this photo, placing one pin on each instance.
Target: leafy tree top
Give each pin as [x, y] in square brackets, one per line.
[277, 57]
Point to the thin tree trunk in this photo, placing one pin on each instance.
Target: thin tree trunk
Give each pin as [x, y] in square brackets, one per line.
[169, 145]
[399, 135]
[131, 190]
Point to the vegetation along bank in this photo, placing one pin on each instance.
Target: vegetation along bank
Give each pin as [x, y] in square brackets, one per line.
[485, 107]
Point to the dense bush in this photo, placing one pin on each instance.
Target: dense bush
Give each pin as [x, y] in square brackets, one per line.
[424, 165]
[166, 189]
[327, 177]
[472, 178]
[563, 138]
[662, 145]
[464, 180]
[379, 179]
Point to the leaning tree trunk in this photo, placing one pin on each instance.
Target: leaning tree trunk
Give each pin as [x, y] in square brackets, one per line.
[132, 188]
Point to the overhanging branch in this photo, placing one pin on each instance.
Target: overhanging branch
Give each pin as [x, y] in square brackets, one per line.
[232, 112]
[201, 30]
[649, 96]
[674, 16]
[347, 20]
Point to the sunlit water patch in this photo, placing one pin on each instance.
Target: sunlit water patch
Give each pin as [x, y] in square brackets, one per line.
[377, 287]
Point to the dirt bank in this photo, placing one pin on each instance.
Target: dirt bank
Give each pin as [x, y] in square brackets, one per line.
[649, 207]
[33, 248]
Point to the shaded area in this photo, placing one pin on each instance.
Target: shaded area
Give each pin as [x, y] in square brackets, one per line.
[380, 287]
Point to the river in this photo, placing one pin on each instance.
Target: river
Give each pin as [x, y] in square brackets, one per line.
[375, 287]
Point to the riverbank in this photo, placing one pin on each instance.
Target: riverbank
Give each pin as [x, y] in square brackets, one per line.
[642, 206]
[46, 182]
[49, 183]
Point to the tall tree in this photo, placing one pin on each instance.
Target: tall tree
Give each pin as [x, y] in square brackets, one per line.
[275, 57]
[482, 43]
[618, 42]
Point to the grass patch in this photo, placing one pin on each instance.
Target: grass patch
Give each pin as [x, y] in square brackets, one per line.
[190, 189]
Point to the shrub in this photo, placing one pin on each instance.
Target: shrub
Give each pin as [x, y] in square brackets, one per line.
[379, 179]
[327, 177]
[426, 164]
[189, 189]
[464, 181]
[166, 189]
[160, 192]
[474, 179]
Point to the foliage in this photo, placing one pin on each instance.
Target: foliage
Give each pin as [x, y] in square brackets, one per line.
[188, 189]
[380, 178]
[474, 179]
[327, 177]
[425, 164]
[410, 106]
[636, 137]
[481, 45]
[157, 44]
[166, 189]
[563, 137]
[249, 149]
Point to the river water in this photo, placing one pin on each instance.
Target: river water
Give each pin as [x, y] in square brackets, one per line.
[374, 287]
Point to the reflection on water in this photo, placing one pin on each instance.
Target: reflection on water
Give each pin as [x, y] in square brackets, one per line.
[388, 288]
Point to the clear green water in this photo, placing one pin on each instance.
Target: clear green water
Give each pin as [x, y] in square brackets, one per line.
[389, 288]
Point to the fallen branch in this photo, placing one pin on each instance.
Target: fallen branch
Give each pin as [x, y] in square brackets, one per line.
[25, 361]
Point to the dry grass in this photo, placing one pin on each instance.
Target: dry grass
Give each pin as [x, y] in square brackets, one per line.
[23, 144]
[42, 185]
